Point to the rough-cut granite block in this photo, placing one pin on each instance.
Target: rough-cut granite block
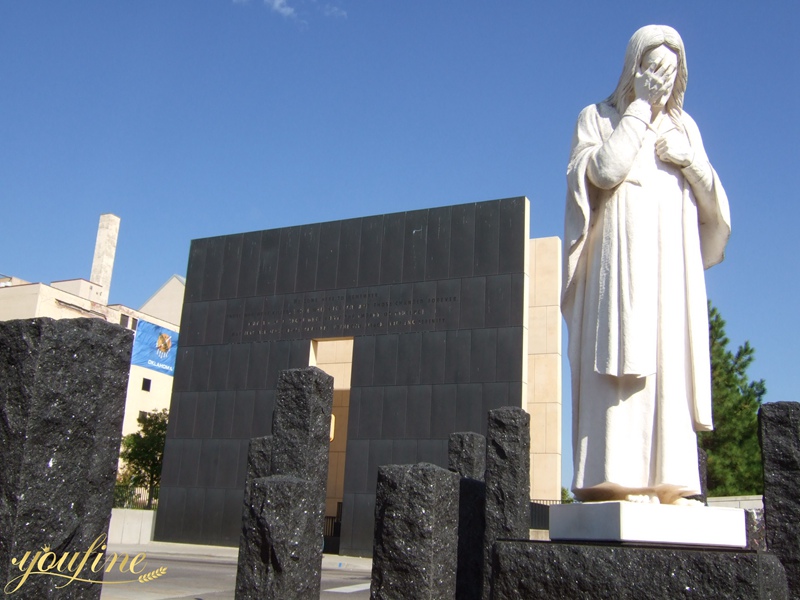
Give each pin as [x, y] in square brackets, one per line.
[466, 454]
[756, 531]
[779, 431]
[278, 530]
[467, 457]
[301, 426]
[559, 571]
[507, 481]
[62, 399]
[416, 533]
[702, 467]
[259, 464]
[259, 461]
[278, 557]
[471, 530]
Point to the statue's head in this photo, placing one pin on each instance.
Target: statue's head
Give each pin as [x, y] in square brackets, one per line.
[643, 41]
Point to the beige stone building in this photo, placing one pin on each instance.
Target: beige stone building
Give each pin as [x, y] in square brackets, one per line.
[544, 367]
[148, 390]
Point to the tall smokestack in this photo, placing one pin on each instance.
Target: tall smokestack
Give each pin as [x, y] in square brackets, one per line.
[104, 250]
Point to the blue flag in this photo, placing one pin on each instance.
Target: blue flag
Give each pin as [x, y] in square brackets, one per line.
[155, 347]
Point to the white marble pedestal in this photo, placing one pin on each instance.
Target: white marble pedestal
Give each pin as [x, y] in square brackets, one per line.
[648, 524]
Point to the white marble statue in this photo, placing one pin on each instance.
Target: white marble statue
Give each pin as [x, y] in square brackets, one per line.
[645, 215]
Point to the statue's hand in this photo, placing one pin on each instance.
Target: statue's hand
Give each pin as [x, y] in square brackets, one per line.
[654, 83]
[674, 147]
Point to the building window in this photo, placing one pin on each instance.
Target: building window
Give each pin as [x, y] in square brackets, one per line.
[134, 323]
[123, 320]
[145, 384]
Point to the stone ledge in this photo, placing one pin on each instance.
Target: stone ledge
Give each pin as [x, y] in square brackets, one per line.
[649, 524]
[599, 572]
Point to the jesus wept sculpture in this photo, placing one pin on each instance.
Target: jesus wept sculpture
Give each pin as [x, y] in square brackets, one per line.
[645, 215]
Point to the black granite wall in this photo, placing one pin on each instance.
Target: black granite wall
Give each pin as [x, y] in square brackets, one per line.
[434, 301]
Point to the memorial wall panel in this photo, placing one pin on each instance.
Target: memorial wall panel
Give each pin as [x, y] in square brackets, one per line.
[434, 302]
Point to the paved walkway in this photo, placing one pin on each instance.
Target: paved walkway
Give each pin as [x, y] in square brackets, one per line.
[226, 553]
[209, 572]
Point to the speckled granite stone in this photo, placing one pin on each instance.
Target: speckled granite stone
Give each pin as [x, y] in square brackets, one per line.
[416, 533]
[283, 520]
[62, 398]
[594, 572]
[467, 457]
[779, 430]
[508, 481]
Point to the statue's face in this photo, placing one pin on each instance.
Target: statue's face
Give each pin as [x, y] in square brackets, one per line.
[662, 56]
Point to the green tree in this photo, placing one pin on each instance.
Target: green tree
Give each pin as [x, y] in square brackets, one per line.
[566, 496]
[734, 453]
[143, 452]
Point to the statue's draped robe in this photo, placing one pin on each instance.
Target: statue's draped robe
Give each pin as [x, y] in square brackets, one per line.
[635, 304]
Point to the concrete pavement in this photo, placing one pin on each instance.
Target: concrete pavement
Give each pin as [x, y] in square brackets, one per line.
[209, 572]
[227, 553]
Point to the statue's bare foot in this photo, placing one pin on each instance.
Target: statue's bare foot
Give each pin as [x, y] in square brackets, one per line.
[686, 502]
[642, 498]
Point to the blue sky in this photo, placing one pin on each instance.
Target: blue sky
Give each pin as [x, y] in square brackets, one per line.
[194, 118]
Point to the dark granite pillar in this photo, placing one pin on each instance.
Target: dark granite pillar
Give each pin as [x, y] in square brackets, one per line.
[301, 428]
[283, 522]
[702, 466]
[62, 398]
[416, 533]
[466, 454]
[467, 457]
[259, 462]
[756, 531]
[779, 430]
[507, 481]
[250, 571]
[278, 532]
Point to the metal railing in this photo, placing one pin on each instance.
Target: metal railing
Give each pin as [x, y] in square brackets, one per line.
[331, 529]
[127, 496]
